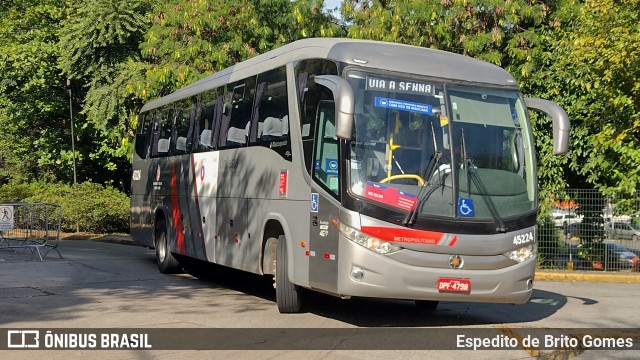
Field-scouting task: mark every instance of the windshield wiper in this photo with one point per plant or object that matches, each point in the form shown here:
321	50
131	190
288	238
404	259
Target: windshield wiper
431	168
472	175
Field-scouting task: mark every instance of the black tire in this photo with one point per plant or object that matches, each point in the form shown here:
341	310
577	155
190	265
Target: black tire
288	295
427	304
167	264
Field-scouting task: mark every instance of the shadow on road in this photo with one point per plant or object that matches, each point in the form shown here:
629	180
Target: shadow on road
110	281
368	312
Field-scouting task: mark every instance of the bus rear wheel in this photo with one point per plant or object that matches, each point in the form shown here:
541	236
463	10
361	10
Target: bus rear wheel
288	296
427	304
167	264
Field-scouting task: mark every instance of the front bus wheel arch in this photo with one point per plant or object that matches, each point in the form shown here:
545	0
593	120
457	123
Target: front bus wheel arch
167	263
288	294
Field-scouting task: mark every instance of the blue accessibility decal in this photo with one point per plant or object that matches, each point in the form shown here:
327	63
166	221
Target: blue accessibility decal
465	207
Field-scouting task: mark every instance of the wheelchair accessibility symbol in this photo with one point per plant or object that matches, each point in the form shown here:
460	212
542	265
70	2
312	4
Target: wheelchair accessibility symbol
465	207
315	198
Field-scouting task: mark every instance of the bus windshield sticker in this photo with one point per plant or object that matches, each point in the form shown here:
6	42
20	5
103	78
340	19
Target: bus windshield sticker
334	184
400	86
403	105
444	120
390	196
331	166
465	207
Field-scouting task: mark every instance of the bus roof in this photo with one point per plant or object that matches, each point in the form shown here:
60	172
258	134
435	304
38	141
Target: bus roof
366	53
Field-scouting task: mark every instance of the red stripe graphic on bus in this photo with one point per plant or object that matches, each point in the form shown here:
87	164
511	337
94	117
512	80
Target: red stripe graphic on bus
175	204
405	235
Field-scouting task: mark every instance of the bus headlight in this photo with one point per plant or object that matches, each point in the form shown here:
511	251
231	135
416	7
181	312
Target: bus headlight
524	253
369	242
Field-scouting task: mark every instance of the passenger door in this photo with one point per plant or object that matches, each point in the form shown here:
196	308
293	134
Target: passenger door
325	205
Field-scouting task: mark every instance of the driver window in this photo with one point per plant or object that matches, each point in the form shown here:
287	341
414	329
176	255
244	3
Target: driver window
326	165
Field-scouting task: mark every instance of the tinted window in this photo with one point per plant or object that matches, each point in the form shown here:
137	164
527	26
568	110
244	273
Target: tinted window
143	135
208	128
239	98
180	134
161	138
271	120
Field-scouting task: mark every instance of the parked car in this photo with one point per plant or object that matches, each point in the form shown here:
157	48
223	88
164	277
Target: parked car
625	230
601	256
588	229
561	220
614	256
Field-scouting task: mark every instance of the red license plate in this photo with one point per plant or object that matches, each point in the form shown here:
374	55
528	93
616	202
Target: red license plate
454	285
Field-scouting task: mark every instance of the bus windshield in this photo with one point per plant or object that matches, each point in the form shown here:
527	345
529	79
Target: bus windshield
465	152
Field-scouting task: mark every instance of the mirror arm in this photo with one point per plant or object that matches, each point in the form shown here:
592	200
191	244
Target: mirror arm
344	100
560	121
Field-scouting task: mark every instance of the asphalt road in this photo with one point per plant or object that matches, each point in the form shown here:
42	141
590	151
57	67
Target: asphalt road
101	285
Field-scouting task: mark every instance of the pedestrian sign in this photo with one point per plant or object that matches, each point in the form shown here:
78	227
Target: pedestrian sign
6	217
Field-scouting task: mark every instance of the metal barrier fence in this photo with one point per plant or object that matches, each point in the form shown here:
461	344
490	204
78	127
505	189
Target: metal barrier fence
588	231
32	226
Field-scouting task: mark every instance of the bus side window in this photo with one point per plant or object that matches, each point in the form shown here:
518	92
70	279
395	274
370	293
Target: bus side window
209	122
180	129
270	121
239	105
144	134
162	133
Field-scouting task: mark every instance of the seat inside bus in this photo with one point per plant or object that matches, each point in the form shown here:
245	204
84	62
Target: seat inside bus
163	145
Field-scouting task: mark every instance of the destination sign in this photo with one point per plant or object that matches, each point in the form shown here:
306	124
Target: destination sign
400	86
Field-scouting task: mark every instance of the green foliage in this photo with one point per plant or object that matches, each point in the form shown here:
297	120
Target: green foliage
550	244
190	40
90	207
33	103
16	191
499	32
591	67
100	40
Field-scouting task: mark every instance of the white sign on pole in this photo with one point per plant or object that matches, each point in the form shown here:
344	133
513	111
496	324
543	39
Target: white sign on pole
6	217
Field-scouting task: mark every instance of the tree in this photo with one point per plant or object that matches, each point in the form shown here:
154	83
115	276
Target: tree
591	67
190	40
99	44
500	32
34	115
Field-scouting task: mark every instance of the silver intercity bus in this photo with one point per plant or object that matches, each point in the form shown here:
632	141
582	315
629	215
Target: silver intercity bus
349	167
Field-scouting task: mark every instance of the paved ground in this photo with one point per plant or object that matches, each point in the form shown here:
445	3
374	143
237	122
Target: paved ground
102	285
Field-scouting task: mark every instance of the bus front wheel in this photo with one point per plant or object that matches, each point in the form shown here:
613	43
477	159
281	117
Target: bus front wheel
167	264
288	295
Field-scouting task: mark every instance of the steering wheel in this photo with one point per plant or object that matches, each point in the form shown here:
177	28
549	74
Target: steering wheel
403	176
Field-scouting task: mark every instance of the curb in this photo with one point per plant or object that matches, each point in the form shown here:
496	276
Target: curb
583	276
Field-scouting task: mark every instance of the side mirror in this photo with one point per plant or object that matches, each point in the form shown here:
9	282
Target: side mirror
344	100
560	121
